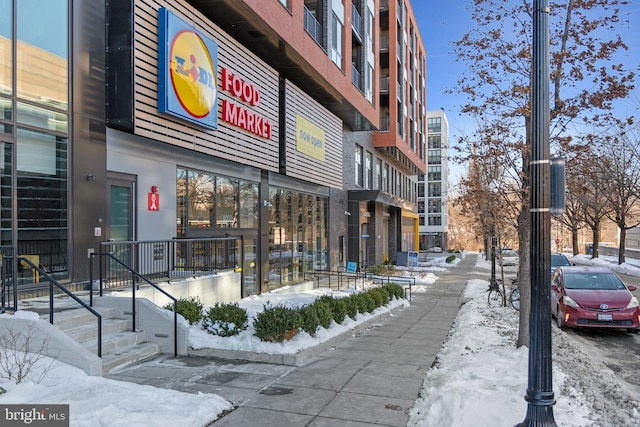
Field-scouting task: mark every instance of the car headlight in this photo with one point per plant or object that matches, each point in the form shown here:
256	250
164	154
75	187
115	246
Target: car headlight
570	302
633	303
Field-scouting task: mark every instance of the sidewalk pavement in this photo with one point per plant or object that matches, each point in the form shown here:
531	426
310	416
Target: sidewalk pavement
371	378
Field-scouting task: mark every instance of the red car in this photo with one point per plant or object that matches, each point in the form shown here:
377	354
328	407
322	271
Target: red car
587	296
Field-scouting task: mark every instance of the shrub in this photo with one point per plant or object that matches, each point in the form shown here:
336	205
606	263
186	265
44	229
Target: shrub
310	319
277	323
350	307
363	302
394	290
386	297
450	258
225	320
338	307
190	308
377	297
325	314
381	269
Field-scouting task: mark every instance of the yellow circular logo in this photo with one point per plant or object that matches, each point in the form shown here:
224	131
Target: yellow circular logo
193	74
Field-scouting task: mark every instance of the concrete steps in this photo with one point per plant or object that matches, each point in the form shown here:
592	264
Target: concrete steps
120	345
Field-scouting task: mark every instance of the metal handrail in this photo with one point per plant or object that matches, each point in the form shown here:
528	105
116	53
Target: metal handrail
134	285
317	275
393	279
53	282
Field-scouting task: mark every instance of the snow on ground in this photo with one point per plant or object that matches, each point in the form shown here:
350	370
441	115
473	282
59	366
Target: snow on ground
480	378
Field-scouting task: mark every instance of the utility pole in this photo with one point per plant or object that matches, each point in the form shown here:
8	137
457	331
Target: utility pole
539	395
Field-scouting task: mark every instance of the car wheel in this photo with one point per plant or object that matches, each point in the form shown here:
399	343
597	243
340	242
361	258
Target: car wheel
559	320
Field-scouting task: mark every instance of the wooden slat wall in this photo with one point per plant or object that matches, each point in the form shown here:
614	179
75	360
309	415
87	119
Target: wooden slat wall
227	141
303	166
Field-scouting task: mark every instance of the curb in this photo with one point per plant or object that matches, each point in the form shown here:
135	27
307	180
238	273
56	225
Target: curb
300	358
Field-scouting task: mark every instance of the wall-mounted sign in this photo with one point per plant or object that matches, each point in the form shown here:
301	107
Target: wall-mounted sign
309	138
187	71
238	114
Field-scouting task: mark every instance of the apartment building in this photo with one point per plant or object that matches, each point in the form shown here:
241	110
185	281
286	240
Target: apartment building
189	119
383	189
433	186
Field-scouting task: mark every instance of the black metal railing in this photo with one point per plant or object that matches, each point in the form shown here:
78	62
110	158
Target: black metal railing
53	285
134	285
339	279
168	259
406	282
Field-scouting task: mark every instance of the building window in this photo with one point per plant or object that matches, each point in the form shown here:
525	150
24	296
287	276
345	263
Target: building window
284	3
336	40
420	189
435	141
435	206
378	179
368	176
297	235
435	219
34	77
435	189
208	201
420	206
385	178
434	125
434	173
359	173
422	221
434	157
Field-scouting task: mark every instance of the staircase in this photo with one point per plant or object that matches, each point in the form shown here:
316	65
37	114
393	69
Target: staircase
120	345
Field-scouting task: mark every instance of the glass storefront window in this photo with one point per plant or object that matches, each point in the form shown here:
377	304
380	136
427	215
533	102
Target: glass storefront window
200	196
297	236
6	36
226	203
249	204
5	192
208	201
42	118
43	52
181	203
42	199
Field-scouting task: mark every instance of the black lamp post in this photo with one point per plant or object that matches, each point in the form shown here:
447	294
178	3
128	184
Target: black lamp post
539	396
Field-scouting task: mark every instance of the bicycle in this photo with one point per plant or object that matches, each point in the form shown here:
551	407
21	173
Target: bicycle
495	297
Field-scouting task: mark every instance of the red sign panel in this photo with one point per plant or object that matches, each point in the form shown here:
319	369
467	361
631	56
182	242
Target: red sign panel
153	202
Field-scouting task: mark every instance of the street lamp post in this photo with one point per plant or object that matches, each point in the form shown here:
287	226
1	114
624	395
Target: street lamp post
539	395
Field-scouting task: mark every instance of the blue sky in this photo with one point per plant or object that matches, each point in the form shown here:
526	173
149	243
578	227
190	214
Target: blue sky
440	23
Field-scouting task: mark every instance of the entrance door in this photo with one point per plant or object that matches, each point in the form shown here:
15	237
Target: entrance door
120	221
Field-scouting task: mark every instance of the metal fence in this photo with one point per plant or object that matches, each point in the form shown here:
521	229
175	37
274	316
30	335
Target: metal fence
166	259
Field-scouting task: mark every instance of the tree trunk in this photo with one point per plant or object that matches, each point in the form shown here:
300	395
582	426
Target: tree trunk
574	240
596	240
623	246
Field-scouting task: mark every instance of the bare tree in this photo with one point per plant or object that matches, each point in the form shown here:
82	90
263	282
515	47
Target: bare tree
619	167
585	80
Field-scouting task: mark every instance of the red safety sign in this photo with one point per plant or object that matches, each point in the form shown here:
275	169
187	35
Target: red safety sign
153	202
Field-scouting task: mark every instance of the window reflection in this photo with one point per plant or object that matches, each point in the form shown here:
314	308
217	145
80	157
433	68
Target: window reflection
208	201
42	199
6	62
297	236
42	51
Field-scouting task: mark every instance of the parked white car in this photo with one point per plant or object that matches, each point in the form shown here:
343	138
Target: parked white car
508	258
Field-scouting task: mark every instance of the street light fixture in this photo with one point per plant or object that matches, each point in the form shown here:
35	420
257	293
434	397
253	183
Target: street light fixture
539	395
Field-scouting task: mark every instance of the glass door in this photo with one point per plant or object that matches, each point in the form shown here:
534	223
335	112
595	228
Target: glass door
120	221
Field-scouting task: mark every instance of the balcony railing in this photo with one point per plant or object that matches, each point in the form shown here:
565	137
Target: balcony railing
384	84
356	77
312	26
356	21
384	42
